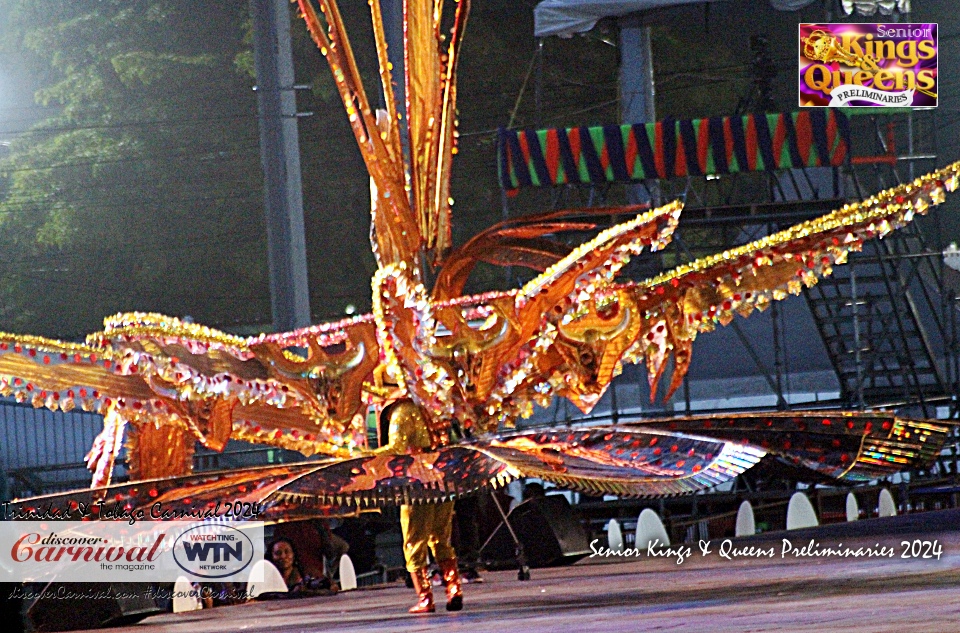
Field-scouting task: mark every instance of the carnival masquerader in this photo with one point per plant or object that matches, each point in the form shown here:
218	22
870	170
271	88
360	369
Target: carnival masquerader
426	526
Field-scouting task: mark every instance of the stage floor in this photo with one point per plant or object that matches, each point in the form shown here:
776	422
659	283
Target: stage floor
704	593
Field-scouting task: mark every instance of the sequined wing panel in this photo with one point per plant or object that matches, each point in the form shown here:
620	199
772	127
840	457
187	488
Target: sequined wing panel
62	376
845	446
246	494
623	462
695	297
384	479
520	241
263	389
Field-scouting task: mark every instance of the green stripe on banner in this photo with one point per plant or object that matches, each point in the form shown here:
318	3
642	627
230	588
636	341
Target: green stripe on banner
542	141
838	138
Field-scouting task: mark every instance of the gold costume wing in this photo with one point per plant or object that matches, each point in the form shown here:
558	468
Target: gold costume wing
596	460
678	304
301	390
652	458
476	359
163	384
846	446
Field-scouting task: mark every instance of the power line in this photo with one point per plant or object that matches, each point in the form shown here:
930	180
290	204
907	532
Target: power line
127	124
127	159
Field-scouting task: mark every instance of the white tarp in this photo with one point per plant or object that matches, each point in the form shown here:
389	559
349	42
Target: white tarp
568	17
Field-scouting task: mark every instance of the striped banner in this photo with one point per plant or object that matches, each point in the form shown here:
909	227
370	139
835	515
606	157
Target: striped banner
672	148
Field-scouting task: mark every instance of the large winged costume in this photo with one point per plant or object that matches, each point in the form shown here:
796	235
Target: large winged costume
472	365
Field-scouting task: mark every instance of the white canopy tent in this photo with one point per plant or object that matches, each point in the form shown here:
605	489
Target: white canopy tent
569	17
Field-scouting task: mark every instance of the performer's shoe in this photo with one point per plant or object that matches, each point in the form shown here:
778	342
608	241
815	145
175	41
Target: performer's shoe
451	577
421	583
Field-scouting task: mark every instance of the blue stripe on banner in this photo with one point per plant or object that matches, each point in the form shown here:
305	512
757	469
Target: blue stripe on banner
688	136
567	157
739	143
644	151
764	141
718	144
669	127
818	124
794	149
594	168
520	167
537	158
613	135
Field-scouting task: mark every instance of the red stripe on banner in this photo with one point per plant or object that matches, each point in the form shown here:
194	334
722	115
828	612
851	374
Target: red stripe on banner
779	138
551	154
753	152
804	136
728	144
839	154
573	135
680	167
630	152
604	156
703	144
658	151
525	149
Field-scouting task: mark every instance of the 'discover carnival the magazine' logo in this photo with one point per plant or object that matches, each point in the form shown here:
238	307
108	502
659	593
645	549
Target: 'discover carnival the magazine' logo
879	65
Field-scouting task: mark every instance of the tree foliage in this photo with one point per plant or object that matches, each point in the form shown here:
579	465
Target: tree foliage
143	191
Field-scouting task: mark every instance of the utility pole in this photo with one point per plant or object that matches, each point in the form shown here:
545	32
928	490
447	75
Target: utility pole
280	157
637	88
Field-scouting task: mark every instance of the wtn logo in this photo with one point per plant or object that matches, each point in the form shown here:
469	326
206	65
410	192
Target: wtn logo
221	551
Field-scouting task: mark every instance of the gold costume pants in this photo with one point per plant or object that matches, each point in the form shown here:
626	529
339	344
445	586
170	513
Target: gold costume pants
426	526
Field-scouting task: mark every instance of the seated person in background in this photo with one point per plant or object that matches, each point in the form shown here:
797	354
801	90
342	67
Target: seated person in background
318	549
283	555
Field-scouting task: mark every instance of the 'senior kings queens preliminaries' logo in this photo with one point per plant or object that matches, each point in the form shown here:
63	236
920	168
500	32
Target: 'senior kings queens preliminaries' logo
886	65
